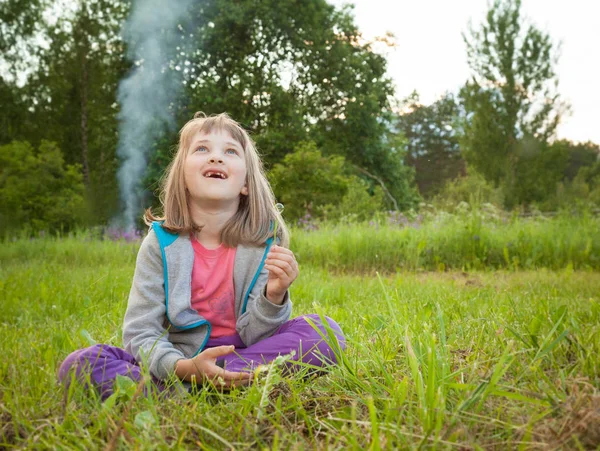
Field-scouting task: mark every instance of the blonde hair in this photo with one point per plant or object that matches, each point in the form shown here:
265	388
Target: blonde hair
253	223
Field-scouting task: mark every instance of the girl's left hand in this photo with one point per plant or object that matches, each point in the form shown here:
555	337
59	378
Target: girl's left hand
283	270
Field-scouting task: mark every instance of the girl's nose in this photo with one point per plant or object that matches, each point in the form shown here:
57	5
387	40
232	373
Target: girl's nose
215	160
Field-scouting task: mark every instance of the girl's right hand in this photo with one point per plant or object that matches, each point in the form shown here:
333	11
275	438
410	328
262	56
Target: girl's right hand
205	368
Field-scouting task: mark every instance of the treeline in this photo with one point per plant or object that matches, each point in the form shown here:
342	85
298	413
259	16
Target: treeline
315	95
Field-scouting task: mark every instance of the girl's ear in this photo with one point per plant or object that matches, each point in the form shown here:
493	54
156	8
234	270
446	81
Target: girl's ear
245	190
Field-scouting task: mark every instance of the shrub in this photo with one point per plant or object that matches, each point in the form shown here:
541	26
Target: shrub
314	187
306	180
37	190
357	204
473	189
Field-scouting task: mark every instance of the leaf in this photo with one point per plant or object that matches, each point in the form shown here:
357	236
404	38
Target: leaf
144	420
125	385
85	334
548	348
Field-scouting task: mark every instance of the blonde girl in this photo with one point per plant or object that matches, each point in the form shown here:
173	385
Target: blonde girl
210	294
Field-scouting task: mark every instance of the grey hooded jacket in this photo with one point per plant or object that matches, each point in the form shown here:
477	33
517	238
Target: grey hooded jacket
160	325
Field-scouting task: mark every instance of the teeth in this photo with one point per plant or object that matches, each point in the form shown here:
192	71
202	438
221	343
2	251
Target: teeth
218	174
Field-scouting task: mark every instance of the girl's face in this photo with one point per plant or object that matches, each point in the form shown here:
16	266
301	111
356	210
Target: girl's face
215	168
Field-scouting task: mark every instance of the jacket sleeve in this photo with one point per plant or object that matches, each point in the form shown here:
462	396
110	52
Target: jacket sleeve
144	333
262	317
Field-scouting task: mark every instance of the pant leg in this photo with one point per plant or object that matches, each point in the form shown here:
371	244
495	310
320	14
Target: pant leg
296	335
102	363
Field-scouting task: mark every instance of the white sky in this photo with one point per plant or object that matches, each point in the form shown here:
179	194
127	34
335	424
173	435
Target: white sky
431	56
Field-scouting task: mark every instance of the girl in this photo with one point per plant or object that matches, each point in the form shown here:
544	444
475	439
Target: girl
210	296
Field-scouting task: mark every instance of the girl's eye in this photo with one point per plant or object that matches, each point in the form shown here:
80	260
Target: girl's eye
231	151
201	149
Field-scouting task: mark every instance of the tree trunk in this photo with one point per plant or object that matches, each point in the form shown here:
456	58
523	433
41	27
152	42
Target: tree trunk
84	121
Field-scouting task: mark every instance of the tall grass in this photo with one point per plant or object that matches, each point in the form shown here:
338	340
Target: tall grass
462	242
487	359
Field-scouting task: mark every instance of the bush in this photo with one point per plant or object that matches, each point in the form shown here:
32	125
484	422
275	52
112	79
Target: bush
582	191
312	186
472	189
357	204
37	191
306	180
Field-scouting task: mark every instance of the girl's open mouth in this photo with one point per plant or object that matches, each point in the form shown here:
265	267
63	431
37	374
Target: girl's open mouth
215	175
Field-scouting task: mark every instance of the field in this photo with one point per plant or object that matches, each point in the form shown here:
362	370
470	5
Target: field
446	355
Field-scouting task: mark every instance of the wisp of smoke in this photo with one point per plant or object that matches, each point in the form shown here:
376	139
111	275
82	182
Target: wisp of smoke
146	93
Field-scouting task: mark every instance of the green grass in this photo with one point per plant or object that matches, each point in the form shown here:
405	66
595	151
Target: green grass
470	241
492	359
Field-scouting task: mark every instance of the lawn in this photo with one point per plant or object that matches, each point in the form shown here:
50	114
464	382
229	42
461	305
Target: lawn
438	359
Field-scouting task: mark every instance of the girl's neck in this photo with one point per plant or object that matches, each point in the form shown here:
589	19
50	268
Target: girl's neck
212	220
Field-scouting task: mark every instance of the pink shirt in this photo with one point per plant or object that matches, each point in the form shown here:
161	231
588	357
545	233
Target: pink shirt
212	287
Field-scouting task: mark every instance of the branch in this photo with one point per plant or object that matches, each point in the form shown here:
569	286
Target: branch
377	179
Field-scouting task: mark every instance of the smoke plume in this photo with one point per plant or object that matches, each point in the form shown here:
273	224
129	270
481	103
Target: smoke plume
145	95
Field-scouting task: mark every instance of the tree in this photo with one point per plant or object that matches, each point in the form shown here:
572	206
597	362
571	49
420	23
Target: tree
20	27
512	95
432	141
539	168
291	71
72	95
306	180
37	190
580	155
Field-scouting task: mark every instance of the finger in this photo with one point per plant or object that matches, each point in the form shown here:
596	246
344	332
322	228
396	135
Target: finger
277	272
278	250
283	264
287	256
228	385
288	269
234	375
214	372
241	383
217	351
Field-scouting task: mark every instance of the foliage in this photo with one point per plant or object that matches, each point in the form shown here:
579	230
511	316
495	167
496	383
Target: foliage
580	155
295	71
291	77
20	24
358	203
511	96
472	189
544	173
432	138
285	76
306	180
539	168
38	192
583	190
70	94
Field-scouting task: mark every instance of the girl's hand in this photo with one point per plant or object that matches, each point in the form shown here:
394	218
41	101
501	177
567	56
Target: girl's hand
205	368
283	270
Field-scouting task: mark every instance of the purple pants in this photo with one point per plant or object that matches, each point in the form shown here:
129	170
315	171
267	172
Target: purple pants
103	362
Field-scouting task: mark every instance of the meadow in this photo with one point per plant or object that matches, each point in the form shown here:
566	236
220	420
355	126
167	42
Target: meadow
454	342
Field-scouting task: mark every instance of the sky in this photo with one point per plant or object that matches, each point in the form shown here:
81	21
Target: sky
430	56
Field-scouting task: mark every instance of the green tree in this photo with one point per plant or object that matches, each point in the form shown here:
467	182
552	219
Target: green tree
590	175
432	144
21	25
72	95
291	71
580	155
360	202
37	190
306	181
512	96
539	168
